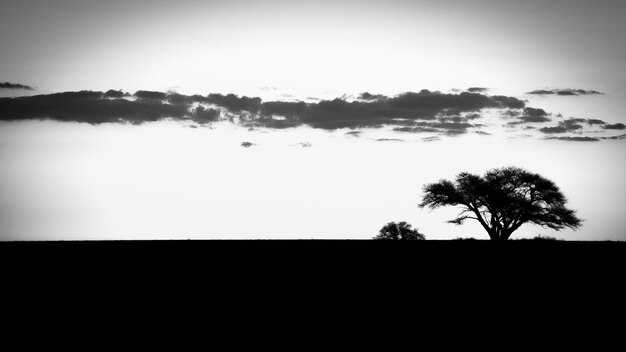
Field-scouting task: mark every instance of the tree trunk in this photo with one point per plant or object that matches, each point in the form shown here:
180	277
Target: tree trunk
499	235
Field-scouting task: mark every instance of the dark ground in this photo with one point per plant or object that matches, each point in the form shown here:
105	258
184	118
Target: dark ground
317	255
536	286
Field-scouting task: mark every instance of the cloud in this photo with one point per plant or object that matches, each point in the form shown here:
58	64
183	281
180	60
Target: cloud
454	132
398	110
87	106
147	94
615	126
577	92
410	112
379	110
595	122
531	119
509	102
532	112
180	99
9	85
555	129
389	140
368	96
457	126
111	106
448	128
589	122
234	103
564	126
268	122
418	129
576	124
283	108
621	136
575	139
601	123
541	92
477	89
375	110
426	99
568	91
529	115
203	115
511	113
115	94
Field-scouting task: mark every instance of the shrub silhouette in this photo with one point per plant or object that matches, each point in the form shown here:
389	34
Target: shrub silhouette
503	200
544	238
399	231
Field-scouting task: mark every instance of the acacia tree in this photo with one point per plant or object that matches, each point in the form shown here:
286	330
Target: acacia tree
503	200
399	231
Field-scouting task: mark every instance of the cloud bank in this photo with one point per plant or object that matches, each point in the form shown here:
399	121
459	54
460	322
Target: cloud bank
410	112
144	106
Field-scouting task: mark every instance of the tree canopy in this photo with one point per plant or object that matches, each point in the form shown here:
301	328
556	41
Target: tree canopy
399	231
503	200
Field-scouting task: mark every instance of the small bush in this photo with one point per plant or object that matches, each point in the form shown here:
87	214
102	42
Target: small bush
541	238
546	238
399	231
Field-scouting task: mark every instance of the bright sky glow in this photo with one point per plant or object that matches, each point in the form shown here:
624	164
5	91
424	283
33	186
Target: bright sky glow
67	180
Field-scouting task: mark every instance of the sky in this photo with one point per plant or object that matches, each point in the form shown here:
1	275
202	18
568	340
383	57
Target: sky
301	119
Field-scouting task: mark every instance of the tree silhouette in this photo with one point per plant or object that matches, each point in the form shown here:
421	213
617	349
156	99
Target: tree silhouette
502	200
399	231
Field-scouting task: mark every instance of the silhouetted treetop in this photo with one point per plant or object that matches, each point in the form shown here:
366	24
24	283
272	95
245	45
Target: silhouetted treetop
399	231
502	200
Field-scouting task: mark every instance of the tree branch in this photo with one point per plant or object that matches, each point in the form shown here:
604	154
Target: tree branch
474	209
